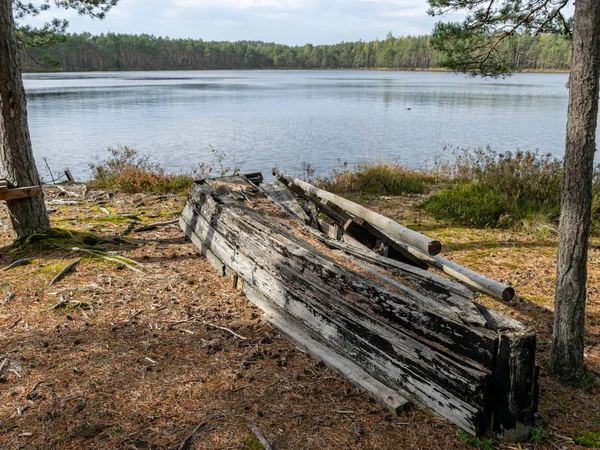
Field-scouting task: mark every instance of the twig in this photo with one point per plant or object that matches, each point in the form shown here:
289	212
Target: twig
133	316
174	324
64	272
34	388
127	229
188	440
121	260
15	323
225	329
3	364
247	198
62	302
260	436
49	170
152	226
20	262
105	211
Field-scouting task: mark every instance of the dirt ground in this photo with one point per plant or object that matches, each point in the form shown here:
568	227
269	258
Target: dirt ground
115	358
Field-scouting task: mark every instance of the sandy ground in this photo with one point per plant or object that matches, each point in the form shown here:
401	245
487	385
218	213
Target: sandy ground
140	360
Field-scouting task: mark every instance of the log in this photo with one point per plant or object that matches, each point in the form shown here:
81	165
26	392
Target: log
418	240
408	333
406	252
472	279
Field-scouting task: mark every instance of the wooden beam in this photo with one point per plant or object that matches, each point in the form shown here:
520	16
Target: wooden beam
418	240
20	193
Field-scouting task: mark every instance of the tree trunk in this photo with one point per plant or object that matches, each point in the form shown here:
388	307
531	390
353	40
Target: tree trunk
28	216
567	342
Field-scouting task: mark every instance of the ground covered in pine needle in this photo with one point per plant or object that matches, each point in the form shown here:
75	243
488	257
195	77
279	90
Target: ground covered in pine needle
150	349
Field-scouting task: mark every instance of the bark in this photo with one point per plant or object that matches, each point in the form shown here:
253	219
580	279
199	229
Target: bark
567	342
29	215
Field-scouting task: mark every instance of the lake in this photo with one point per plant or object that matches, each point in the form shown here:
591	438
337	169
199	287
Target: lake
289	119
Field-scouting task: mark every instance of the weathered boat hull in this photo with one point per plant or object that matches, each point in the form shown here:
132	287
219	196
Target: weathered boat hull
393	341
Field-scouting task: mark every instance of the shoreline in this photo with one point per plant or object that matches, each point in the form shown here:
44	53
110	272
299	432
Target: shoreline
375	69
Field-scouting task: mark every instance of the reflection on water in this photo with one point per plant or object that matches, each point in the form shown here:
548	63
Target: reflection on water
287	118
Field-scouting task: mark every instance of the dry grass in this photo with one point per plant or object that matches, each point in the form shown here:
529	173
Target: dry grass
110	373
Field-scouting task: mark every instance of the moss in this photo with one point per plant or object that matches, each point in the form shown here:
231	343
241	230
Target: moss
113	219
252	443
56	238
586	438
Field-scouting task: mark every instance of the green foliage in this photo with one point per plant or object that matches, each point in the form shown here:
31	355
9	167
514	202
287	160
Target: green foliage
586	438
82	52
129	172
377	179
485	42
499	190
218	165
477	442
537	434
52	32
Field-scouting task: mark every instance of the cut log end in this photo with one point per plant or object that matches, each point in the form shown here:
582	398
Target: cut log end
508	294
434	248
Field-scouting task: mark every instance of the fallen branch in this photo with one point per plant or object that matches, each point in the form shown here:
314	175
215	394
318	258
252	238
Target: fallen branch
64	272
64	191
153	226
130	264
260	436
20	262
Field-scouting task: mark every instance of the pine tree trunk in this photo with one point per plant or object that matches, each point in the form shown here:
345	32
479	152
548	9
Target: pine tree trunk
28	216
567	342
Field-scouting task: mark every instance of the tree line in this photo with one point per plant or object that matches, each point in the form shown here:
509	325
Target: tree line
84	52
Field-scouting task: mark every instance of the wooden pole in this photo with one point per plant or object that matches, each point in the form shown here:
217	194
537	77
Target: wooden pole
417	240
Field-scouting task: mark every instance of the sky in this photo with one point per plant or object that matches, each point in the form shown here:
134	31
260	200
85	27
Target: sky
292	22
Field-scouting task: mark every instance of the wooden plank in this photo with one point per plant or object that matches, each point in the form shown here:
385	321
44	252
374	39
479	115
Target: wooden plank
306	341
20	193
280	195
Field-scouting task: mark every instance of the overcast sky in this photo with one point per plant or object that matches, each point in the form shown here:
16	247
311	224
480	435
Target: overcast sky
294	22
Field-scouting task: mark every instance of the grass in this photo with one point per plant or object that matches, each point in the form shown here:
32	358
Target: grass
129	172
589	439
480	188
378	179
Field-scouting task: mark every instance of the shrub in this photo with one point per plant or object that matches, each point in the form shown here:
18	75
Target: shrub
130	172
377	179
499	189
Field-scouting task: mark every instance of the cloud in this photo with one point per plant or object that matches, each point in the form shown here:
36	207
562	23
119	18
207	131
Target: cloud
244	4
294	22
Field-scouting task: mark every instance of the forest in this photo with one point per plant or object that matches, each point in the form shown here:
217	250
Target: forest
86	52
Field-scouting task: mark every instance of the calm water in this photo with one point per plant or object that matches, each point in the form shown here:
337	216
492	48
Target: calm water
288	118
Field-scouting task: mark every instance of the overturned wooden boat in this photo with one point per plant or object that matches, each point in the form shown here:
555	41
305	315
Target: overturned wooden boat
402	334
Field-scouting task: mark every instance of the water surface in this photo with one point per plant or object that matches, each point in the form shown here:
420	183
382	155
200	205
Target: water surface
289	118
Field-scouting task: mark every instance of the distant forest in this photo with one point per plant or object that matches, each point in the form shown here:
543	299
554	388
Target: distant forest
84	52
